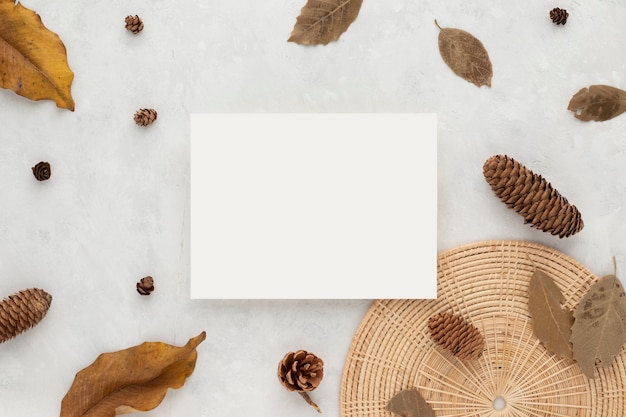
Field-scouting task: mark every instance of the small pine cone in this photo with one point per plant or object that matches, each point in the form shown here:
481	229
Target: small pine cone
301	371
559	16
457	335
532	197
21	311
145	117
134	24
41	171
145	285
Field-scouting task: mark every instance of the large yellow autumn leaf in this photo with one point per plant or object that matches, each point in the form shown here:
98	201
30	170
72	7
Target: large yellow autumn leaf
33	60
130	380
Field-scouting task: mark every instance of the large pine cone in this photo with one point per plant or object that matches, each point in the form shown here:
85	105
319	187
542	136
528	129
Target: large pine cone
457	335
21	311
532	197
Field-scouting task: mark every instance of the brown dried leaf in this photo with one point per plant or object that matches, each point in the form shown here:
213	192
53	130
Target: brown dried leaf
465	55
130	380
410	403
598	103
552	323
33	60
322	21
599	329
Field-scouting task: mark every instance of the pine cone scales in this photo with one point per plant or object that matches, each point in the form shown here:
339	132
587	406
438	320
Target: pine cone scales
145	117
455	334
559	16
21	311
532	197
301	371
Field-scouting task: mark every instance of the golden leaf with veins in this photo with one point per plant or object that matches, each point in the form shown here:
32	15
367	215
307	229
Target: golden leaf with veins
599	329
552	323
33	60
322	21
130	380
598	103
465	55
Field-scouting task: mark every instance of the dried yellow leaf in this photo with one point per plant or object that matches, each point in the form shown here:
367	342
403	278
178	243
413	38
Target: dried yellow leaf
130	380
33	61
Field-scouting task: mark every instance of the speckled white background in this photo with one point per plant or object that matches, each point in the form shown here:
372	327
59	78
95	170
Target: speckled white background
116	208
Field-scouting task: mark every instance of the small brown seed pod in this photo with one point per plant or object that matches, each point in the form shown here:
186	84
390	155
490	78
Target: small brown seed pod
457	335
42	171
559	16
134	24
301	371
145	117
145	285
21	311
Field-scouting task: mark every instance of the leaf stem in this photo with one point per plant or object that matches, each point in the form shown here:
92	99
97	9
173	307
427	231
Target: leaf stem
440	28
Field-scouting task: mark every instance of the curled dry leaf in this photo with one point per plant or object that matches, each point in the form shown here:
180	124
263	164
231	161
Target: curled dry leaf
599	329
130	380
33	60
465	55
552	323
409	403
323	21
598	103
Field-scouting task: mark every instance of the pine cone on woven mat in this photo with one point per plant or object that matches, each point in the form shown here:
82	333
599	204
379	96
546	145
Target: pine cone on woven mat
559	16
532	197
456	335
21	311
301	371
145	117
134	24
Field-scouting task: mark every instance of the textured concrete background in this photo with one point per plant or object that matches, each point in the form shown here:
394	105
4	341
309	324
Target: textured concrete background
117	206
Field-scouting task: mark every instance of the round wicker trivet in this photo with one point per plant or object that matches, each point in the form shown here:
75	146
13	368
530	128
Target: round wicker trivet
487	283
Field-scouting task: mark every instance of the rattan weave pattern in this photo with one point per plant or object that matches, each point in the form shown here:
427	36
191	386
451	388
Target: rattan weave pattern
487	283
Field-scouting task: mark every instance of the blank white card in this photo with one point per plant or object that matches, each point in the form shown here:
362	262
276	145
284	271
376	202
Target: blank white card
302	206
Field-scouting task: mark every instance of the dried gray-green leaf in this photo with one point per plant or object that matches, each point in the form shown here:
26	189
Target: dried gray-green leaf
409	403
599	329
465	55
552	323
323	21
598	103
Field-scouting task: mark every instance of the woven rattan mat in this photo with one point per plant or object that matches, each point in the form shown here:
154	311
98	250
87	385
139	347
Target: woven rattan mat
487	283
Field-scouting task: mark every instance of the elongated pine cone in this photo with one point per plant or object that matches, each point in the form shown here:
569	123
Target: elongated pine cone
145	285
21	311
42	171
134	24
532	197
301	371
145	117
457	335
559	16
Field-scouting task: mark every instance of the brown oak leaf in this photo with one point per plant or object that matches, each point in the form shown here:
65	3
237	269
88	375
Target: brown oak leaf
409	403
322	21
465	55
130	380
598	103
552	323
599	329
